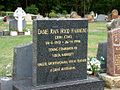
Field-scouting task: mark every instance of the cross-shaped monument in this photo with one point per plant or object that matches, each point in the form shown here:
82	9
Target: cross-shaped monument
19	15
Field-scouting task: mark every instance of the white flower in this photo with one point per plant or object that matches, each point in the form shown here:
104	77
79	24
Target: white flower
88	65
102	58
93	65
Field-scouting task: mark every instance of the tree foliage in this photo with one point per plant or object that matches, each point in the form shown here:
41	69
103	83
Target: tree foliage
32	9
80	6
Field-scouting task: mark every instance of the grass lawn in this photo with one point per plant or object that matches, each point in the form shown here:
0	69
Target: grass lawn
97	33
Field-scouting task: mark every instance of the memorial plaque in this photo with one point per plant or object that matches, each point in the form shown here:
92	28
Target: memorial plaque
59	50
113	57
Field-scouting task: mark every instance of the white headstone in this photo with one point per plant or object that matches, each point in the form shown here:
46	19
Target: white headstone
19	15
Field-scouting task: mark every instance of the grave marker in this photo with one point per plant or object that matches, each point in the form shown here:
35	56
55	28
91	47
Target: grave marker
19	15
113	53
60	50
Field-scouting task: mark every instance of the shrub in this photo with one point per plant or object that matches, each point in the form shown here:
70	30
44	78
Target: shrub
32	9
52	14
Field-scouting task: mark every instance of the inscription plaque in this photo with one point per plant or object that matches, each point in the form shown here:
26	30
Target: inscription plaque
59	50
113	57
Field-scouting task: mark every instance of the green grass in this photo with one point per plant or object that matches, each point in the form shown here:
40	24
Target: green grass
97	33
6	48
3	26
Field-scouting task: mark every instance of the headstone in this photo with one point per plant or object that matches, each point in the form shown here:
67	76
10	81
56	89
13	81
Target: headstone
101	17
19	15
102	52
74	15
60	50
13	25
113	24
1	33
22	65
59	58
39	16
28	17
114	14
6	33
113	53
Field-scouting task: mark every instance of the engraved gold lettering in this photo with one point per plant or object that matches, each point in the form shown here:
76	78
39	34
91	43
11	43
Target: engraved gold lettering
64	31
42	64
62	49
67	68
67	36
63	54
58	37
44	31
54	31
82	30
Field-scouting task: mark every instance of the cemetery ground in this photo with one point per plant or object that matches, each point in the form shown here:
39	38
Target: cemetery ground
97	33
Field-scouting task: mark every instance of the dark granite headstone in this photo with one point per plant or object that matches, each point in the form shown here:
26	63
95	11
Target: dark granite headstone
6	33
1	33
13	25
59	50
22	65
113	52
102	52
51	52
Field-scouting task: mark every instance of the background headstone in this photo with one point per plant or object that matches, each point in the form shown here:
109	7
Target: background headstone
19	15
113	52
22	65
28	17
1	33
101	17
114	13
6	33
13	25
113	24
102	52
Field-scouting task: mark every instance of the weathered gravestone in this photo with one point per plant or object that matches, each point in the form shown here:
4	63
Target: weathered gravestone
1	33
59	57
22	65
101	17
13	25
113	53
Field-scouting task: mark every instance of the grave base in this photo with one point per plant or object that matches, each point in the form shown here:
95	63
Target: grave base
20	33
111	81
6	83
91	83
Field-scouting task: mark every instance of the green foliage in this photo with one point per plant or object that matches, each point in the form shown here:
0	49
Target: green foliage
1	7
45	6
52	14
64	12
32	9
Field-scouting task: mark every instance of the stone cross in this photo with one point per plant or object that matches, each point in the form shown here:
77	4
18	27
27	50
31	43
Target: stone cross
19	15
